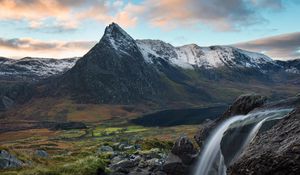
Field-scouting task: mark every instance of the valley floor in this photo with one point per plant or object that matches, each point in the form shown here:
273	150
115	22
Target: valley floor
88	151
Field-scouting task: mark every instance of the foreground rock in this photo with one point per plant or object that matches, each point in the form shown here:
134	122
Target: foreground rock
241	106
139	163
181	158
276	151
9	161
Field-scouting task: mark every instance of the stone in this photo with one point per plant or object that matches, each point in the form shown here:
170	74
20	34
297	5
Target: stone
124	166
185	150
174	166
41	153
9	161
153	162
103	149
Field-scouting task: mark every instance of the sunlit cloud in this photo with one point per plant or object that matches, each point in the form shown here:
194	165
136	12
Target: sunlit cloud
225	15
284	46
64	15
21	47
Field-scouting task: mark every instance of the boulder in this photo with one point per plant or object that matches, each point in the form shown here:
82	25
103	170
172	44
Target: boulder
185	150
124	166
181	158
9	161
174	166
41	153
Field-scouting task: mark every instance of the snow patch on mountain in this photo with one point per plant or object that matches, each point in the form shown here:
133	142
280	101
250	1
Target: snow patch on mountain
191	56
35	67
292	70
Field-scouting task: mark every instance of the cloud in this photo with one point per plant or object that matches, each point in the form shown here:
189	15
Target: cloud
63	15
221	15
66	15
21	47
286	46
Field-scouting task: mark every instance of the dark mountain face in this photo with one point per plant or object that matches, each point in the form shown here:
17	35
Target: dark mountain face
113	71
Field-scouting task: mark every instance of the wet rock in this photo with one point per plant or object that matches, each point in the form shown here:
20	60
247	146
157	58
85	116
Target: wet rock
9	161
244	104
276	151
241	106
41	153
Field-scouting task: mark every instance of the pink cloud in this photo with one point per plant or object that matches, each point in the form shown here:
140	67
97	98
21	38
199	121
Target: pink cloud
21	47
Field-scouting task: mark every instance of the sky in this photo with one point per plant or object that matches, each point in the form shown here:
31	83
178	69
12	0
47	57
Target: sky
69	28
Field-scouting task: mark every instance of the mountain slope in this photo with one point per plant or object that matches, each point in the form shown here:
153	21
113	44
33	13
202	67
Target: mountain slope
33	69
113	71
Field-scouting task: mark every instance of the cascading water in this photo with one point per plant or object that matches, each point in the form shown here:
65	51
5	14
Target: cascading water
211	161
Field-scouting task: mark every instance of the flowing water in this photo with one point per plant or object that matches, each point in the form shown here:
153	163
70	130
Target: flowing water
212	161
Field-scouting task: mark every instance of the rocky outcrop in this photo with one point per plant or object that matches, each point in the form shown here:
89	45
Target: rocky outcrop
182	156
141	162
5	103
276	151
9	161
241	106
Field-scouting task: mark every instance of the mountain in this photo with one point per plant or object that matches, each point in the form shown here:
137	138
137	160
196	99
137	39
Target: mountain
121	70
33	69
113	71
219	62
193	56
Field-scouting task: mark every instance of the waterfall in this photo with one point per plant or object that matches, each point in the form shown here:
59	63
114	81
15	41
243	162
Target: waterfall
211	160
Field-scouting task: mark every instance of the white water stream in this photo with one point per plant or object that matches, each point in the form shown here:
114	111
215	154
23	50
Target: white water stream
211	160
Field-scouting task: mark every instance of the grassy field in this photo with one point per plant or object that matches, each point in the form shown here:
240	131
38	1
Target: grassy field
75	151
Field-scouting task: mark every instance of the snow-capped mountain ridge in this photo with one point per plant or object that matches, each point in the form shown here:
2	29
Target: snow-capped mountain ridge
35	68
192	55
117	43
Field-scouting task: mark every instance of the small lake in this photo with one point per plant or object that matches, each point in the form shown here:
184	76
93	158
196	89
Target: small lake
173	117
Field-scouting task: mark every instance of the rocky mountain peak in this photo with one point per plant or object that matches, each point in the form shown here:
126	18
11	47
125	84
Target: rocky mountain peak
118	39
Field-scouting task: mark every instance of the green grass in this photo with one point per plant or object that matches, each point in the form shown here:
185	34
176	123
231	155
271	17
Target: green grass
72	134
87	166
